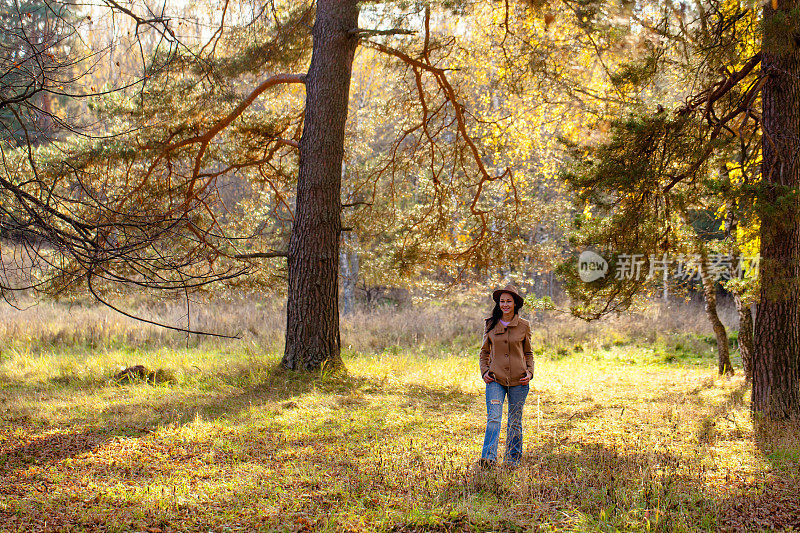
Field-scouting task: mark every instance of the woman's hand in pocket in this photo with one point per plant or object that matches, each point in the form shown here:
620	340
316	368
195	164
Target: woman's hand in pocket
487	377
526	378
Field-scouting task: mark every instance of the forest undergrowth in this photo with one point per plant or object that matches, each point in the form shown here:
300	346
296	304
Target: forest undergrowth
627	427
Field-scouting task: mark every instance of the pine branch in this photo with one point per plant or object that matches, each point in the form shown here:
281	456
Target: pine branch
241	108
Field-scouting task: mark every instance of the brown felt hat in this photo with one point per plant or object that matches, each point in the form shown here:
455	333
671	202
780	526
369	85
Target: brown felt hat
510	289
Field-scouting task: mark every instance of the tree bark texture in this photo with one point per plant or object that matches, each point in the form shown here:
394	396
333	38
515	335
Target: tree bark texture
710	294
312	316
776	347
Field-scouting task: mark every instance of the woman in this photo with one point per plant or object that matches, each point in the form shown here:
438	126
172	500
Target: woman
506	364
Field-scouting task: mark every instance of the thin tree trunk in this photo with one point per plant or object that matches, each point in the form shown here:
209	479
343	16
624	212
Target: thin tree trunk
724	365
745	336
345	273
352	257
312	316
776	347
44	132
348	261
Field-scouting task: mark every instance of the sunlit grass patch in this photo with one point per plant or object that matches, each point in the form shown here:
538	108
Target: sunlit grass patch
616	438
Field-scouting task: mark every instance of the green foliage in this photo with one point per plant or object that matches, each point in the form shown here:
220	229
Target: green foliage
780	29
636	73
545	303
665	179
175	214
263	47
36	40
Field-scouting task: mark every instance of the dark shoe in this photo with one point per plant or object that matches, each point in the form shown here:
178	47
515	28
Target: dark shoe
486	464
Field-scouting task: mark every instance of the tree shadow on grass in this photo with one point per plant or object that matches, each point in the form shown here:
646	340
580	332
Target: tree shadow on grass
778	441
136	414
735	396
562	481
599	484
98	442
128	413
773	501
585	479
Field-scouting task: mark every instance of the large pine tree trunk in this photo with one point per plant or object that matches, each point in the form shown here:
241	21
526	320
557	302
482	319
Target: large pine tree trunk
776	347
312	316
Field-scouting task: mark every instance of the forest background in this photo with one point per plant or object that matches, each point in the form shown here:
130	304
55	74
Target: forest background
387	164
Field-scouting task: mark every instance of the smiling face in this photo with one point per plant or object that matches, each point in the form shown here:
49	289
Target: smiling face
507	306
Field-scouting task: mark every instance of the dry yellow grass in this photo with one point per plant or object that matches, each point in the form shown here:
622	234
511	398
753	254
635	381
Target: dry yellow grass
626	429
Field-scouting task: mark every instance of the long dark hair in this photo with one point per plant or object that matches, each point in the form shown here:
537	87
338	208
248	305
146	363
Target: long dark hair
497	314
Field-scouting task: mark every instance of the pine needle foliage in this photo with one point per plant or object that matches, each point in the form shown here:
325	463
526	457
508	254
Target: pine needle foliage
686	148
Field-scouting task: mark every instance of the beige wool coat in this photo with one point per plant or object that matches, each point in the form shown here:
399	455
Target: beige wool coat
507	353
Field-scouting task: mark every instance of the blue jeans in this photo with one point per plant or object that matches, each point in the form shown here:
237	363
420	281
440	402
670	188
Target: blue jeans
495	396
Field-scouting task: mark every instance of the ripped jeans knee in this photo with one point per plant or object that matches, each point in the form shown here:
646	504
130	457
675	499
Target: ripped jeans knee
496	396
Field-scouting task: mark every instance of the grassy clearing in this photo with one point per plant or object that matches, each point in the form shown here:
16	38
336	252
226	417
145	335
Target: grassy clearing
627	429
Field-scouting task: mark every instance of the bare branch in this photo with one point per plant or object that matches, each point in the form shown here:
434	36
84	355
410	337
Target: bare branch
153	322
444	83
354	204
720	89
288	142
261	255
361	32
